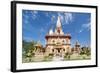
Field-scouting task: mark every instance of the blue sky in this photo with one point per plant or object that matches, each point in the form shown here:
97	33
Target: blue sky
36	24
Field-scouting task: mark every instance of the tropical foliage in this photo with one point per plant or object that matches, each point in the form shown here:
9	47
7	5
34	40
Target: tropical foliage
86	51
28	49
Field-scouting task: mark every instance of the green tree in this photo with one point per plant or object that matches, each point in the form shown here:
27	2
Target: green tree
28	48
85	51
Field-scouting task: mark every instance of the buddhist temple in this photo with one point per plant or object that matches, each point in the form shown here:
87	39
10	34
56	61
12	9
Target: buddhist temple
57	42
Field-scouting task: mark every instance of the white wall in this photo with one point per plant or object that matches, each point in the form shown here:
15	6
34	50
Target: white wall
5	37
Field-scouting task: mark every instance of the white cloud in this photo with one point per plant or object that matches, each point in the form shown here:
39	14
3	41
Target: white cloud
61	16
25	16
86	26
66	17
34	14
42	30
80	30
26	21
26	11
53	18
47	14
28	39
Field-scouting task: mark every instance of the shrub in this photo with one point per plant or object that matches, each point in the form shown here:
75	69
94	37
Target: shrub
51	54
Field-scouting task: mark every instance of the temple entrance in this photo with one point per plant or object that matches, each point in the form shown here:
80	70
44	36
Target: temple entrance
58	52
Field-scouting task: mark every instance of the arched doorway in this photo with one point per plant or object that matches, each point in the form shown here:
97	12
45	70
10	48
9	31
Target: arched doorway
58	51
58	54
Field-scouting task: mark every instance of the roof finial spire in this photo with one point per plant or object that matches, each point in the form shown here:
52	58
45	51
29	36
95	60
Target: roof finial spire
58	22
50	32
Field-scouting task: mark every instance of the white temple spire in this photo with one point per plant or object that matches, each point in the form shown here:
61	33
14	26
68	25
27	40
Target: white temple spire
50	31
58	22
58	29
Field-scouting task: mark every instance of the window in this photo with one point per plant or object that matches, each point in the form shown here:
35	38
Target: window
63	49
63	41
53	41
58	50
52	50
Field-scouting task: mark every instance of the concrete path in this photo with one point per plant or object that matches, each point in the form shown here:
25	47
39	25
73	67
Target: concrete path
58	58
